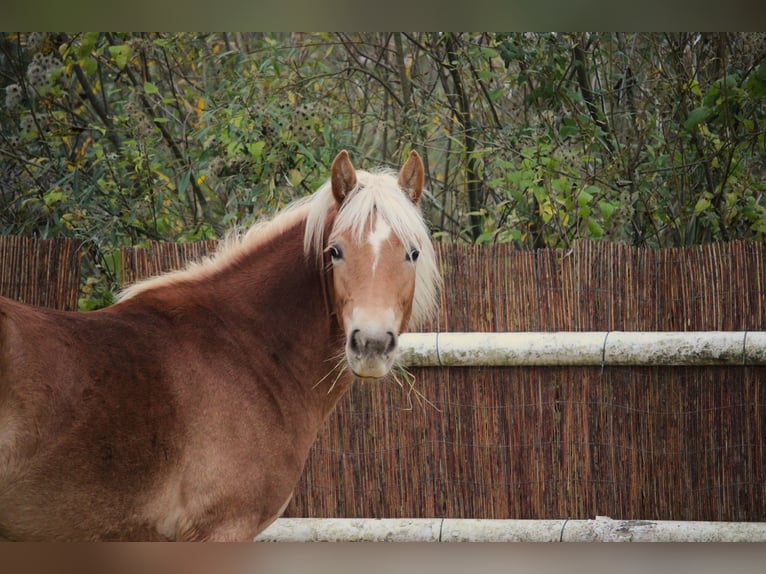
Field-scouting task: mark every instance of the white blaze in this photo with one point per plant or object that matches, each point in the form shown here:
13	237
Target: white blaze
380	234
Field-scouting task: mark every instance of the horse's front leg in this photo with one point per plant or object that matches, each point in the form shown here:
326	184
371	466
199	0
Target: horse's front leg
243	528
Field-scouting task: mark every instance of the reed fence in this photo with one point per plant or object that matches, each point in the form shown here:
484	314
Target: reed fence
43	272
660	443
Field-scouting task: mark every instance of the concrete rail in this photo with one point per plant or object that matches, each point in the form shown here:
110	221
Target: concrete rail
594	348
600	529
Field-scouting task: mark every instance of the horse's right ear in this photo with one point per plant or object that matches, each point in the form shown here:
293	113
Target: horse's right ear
412	177
342	177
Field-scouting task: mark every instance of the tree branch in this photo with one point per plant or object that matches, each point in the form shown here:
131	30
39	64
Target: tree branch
473	181
583	81
97	106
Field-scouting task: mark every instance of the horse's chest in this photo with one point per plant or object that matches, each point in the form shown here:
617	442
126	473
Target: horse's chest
228	489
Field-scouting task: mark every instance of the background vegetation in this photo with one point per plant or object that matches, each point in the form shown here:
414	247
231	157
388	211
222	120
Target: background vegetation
539	139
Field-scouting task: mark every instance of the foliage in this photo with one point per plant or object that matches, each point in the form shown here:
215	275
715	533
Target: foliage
539	139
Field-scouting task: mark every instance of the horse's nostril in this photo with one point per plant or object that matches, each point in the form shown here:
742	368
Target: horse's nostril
361	344
391	344
354	341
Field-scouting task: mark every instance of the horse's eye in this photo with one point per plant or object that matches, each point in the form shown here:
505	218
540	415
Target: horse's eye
413	255
335	252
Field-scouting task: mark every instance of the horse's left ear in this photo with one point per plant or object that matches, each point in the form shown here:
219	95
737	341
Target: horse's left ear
342	176
412	177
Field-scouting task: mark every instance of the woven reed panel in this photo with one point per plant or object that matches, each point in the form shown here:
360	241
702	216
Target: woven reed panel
160	257
631	443
43	272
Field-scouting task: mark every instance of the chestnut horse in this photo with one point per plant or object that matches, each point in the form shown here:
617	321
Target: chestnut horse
186	410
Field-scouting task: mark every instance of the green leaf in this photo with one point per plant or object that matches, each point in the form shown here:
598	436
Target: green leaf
756	83
90	64
694	88
256	149
584	197
495	95
184	183
761	72
485	237
568	130
594	228
113	260
88	43
696	117
150	88
120	54
516	194
607	209
53	197
701	205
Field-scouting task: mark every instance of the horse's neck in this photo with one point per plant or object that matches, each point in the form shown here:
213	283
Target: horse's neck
280	298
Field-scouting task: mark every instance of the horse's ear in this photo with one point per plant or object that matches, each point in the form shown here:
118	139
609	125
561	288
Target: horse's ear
342	176
412	177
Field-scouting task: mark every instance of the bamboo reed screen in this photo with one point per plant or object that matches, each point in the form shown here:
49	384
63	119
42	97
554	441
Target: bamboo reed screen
40	272
159	258
631	443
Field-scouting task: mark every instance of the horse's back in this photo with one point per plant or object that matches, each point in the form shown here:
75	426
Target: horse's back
86	420
117	424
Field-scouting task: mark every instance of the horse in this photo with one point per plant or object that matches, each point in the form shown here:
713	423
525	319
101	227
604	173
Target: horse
186	410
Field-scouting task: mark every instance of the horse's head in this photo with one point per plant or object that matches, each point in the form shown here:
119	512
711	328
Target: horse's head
376	245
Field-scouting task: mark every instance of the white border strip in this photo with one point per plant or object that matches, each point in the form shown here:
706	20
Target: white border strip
592	348
600	529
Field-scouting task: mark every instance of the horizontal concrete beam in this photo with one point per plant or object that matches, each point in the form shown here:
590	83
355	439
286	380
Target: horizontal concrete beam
600	529
592	348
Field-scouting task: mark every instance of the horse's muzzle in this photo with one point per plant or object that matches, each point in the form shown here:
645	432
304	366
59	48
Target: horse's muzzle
371	354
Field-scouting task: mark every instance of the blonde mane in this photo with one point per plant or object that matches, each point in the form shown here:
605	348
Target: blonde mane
230	249
382	196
